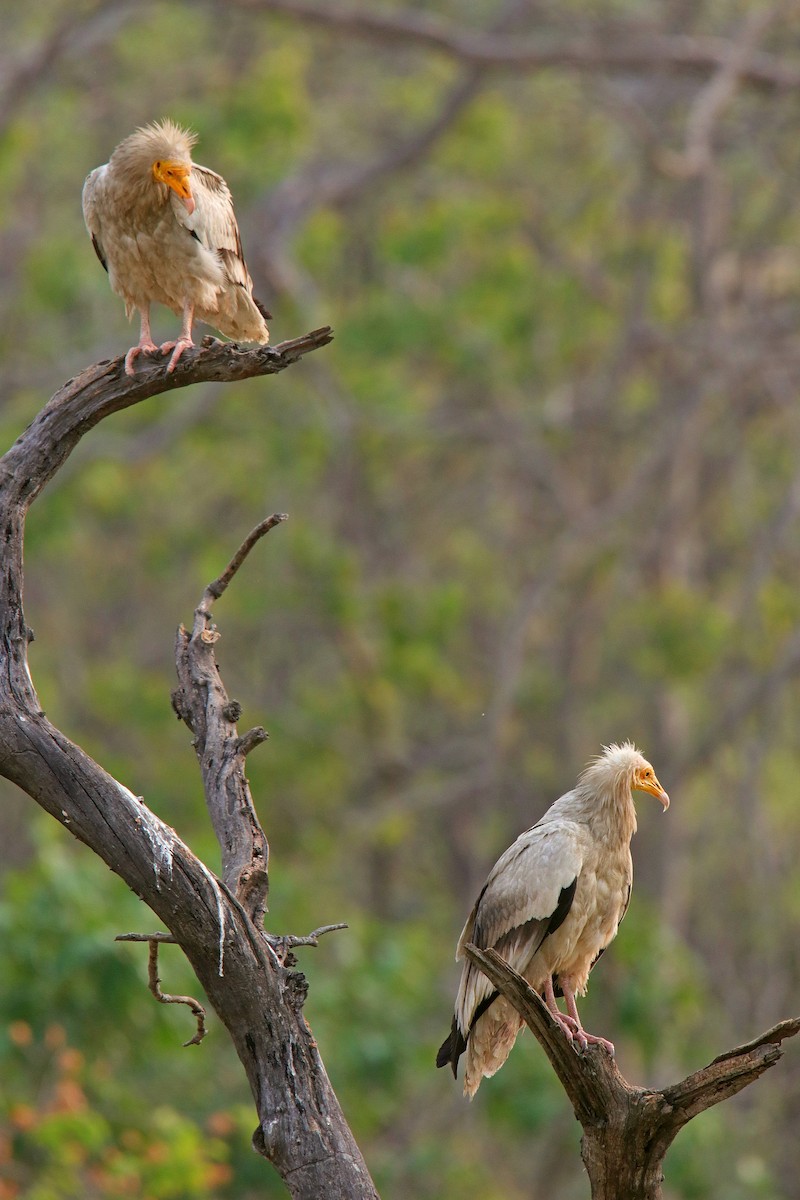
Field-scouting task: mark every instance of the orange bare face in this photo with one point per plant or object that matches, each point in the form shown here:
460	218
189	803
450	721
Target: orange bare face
645	781
176	176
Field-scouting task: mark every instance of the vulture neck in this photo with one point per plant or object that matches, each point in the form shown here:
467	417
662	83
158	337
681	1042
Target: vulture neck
608	803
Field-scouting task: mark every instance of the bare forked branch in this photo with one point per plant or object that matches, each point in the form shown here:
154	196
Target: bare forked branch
202	703
627	1130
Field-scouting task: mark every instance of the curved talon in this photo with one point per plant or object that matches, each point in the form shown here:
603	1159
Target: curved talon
177	348
570	1028
571	1023
594	1040
146	347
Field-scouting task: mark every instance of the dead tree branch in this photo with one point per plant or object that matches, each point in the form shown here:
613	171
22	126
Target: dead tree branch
301	1129
628	1130
202	703
104	389
215	589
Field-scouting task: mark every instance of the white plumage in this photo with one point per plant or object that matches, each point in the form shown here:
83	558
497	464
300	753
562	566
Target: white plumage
165	230
552	903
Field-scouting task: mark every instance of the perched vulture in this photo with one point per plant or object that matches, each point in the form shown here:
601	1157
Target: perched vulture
551	905
164	229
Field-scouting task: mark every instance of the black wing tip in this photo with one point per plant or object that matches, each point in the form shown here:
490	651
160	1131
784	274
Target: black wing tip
99	253
451	1049
265	314
455	1043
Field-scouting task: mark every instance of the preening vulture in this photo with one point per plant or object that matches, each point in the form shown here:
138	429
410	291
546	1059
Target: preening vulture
551	905
164	229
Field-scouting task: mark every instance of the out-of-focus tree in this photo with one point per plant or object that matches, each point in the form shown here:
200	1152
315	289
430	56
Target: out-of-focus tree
544	494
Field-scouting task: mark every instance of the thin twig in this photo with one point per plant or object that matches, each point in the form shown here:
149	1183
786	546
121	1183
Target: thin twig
280	945
215	589
154	983
165	938
313	938
165	998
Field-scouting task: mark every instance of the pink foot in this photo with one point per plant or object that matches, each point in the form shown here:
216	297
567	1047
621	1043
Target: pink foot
177	348
593	1040
146	347
571	1028
575	1032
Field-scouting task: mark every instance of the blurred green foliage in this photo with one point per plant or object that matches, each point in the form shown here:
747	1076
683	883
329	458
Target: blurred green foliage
543	494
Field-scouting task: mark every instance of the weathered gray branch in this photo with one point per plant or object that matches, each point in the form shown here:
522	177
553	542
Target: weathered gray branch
301	1127
627	1130
202	703
104	389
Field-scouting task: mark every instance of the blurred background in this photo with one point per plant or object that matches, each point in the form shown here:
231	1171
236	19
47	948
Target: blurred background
544	493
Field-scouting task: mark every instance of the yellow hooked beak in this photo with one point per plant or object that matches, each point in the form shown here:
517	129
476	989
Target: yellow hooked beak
645	781
176	176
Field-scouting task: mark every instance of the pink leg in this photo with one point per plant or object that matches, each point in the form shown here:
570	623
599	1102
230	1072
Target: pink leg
184	341
581	1036
146	345
568	1024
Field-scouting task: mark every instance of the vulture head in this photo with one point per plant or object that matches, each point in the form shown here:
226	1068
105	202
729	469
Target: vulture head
160	156
618	771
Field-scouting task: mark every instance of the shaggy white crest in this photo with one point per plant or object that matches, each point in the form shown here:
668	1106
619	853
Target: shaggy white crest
617	762
161	140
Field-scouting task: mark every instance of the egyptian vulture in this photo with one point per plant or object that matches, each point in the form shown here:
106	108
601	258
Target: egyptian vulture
164	229
552	903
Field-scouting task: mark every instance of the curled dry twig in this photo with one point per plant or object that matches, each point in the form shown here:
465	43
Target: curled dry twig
154	983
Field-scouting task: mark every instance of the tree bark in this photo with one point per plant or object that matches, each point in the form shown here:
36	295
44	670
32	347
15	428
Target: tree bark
245	973
627	1130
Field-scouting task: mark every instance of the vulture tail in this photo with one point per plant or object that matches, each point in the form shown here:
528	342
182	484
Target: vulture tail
455	1043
